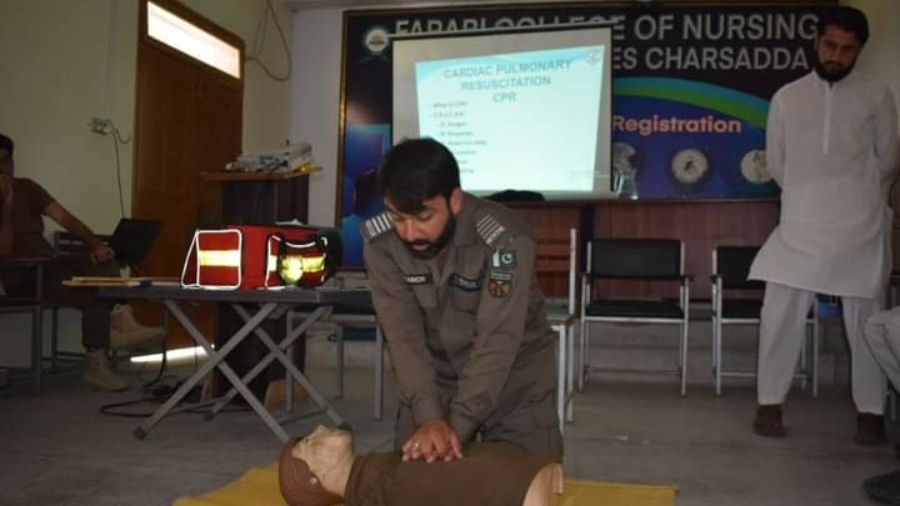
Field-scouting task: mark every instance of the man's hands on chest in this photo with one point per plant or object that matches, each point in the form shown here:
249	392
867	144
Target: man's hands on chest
433	440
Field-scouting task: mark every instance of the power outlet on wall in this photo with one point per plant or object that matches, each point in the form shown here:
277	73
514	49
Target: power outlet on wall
99	125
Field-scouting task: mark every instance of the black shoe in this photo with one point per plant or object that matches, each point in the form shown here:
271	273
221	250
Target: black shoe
768	421
870	430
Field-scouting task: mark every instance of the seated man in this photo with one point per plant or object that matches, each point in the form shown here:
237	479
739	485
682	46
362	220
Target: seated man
23	203
322	469
882	335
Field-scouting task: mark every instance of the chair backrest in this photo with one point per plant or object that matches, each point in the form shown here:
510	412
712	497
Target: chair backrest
636	258
733	264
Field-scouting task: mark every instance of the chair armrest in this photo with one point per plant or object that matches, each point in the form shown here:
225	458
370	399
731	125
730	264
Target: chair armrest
23	261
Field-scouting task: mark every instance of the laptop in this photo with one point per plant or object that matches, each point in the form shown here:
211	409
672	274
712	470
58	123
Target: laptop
133	239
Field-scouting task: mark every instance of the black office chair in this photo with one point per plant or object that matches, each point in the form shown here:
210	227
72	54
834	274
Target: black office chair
730	267
656	260
30	300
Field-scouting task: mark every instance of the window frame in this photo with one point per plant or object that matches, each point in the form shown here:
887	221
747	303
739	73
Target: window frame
200	22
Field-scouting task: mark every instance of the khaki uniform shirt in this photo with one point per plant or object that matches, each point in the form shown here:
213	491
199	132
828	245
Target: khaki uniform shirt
466	331
28	224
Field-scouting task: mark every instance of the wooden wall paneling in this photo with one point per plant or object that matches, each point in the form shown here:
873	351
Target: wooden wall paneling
701	224
552	222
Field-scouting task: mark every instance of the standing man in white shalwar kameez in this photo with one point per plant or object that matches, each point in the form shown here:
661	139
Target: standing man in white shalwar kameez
831	144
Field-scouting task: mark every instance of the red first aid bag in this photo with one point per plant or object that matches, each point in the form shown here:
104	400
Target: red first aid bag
250	256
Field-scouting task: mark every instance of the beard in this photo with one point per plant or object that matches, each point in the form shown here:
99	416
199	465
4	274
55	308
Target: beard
436	246
831	75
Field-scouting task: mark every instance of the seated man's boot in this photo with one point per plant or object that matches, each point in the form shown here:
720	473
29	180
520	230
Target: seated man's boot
884	488
768	421
99	376
870	430
126	333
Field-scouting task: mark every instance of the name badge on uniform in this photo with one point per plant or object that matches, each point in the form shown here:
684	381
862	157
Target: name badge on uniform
417	279
465	284
500	283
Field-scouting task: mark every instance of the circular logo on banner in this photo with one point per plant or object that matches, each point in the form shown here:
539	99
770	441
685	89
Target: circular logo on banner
376	40
689	166
753	167
626	158
689	171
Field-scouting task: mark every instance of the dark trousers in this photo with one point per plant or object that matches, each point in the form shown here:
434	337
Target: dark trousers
94	310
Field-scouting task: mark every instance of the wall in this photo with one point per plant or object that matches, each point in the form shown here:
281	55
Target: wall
880	55
315	92
266	101
65	62
316	87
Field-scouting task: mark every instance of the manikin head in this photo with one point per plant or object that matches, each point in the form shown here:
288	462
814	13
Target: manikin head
419	182
313	471
324	447
842	33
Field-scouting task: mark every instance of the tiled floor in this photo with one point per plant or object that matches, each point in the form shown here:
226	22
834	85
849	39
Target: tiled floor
56	449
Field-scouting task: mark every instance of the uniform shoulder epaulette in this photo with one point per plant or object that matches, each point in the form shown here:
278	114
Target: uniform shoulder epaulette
490	229
376	225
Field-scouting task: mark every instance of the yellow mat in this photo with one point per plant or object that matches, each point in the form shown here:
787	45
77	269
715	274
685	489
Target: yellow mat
259	487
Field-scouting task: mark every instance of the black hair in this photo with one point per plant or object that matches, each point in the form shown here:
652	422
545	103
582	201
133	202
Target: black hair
7	144
846	18
417	170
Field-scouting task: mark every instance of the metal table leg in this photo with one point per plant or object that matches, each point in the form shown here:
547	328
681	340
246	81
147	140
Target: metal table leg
277	352
216	360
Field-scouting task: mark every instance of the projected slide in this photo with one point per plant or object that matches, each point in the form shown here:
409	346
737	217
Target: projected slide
530	115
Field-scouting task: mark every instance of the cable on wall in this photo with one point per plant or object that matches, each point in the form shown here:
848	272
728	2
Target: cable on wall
259	39
118	139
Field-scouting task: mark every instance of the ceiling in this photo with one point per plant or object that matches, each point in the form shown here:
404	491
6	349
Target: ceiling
297	5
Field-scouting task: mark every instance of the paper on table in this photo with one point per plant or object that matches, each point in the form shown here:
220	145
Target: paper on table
112	281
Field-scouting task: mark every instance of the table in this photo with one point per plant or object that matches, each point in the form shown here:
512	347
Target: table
268	302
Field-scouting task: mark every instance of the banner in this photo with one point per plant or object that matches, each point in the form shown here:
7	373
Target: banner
691	91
